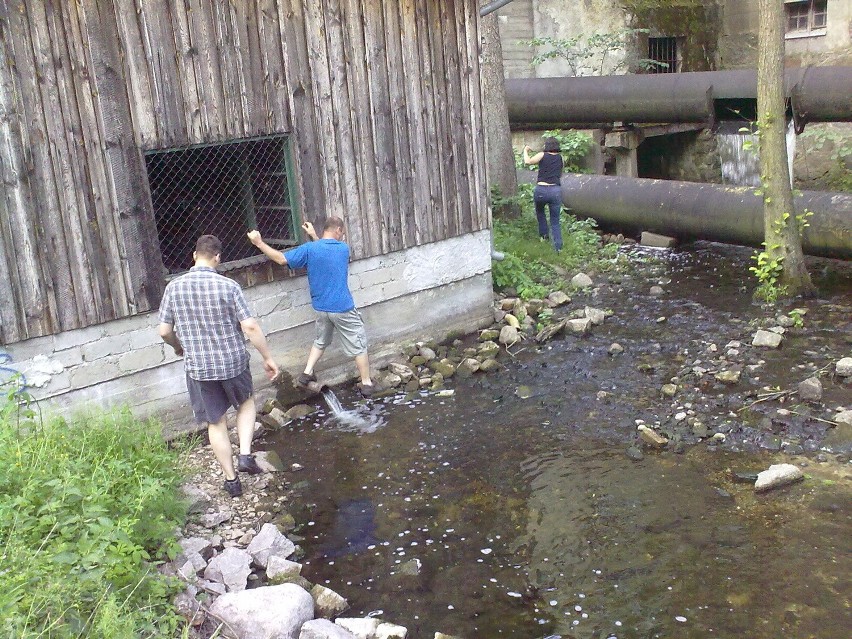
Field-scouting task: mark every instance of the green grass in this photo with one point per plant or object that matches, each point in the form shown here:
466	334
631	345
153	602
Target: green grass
532	267
88	506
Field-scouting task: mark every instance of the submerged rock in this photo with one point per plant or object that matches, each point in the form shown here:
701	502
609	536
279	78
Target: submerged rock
810	390
776	476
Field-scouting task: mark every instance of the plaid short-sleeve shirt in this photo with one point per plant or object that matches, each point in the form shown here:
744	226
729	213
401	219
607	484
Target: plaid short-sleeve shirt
206	309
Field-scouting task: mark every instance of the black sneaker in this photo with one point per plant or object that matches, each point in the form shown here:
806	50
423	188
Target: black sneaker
248	464
367	390
233	487
305	378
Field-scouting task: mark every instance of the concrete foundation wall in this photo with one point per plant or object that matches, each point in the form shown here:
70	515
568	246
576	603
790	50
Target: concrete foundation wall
423	292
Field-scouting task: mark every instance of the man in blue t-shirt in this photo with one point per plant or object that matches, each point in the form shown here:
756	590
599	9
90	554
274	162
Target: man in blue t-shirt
327	262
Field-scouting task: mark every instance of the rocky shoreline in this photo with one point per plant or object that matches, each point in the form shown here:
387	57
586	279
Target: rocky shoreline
232	546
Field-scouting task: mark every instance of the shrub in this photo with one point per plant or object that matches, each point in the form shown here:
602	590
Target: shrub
531	266
87	507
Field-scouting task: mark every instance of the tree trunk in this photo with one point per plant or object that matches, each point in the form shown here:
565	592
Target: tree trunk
500	158
781	228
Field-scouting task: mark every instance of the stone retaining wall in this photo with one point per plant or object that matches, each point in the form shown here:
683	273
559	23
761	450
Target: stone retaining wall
422	292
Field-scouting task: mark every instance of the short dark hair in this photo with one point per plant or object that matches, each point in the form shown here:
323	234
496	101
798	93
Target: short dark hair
332	223
208	246
551	145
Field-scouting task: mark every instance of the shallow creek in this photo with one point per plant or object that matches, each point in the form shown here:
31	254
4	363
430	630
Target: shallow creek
510	509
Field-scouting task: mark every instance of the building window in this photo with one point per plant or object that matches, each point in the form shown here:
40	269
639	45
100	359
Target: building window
223	190
806	18
663	55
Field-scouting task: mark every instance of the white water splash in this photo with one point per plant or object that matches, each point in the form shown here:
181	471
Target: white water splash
357	419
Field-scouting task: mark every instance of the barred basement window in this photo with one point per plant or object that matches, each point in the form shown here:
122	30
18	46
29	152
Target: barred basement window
806	17
223	190
663	51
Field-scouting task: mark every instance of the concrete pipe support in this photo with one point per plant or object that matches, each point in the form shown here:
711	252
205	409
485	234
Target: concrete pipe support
689	210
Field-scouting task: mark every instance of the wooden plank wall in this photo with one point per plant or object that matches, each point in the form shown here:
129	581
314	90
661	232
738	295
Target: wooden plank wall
381	98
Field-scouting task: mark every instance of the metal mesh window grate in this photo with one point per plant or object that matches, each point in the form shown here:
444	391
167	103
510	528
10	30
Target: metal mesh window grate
223	190
663	51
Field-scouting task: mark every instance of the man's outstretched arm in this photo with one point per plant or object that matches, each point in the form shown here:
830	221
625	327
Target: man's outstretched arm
273	254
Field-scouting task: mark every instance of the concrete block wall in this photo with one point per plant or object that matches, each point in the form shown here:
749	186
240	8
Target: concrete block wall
423	292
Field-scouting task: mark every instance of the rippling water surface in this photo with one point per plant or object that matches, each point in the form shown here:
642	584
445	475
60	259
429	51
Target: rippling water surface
494	513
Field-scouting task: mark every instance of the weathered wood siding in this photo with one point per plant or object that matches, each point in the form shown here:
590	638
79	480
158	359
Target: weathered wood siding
381	98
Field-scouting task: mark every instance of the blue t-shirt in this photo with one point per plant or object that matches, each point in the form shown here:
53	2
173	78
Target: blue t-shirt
327	262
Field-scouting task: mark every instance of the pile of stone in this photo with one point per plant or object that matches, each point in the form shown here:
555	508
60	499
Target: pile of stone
287	606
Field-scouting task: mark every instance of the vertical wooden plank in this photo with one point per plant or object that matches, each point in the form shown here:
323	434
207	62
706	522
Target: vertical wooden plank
383	142
206	62
161	55
138	81
126	175
422	171
362	128
305	142
430	110
273	67
237	54
246	54
455	148
24	309
185	57
467	196
228	62
43	214
448	226
95	187
401	125
327	159
480	194
68	215
349	208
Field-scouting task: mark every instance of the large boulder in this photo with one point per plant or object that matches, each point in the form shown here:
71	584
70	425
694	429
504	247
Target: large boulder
269	612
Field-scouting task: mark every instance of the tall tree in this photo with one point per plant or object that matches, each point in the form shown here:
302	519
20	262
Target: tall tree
782	230
499	158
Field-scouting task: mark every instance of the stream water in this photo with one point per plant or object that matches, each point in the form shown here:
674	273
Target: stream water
510	509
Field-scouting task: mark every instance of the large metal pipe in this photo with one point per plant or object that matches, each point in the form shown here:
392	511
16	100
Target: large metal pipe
817	94
728	214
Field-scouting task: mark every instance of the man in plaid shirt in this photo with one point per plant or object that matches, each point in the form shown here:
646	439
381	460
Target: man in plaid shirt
204	317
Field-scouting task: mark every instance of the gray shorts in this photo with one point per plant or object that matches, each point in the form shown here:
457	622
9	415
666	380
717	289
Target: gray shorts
211	398
349	326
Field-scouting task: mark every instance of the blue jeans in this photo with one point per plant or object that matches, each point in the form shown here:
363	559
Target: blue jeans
550	196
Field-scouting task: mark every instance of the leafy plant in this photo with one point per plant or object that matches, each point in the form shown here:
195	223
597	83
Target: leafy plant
768	270
796	315
531	267
588	55
88	506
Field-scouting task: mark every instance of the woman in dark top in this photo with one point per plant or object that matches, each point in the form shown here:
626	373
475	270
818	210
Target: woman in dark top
548	189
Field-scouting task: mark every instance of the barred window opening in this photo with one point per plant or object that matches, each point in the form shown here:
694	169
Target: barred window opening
663	51
223	190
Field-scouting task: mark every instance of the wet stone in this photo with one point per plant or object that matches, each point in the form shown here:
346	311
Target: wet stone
844	367
810	390
634	453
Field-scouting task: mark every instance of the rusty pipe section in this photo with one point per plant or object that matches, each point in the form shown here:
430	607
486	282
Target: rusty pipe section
689	210
817	94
